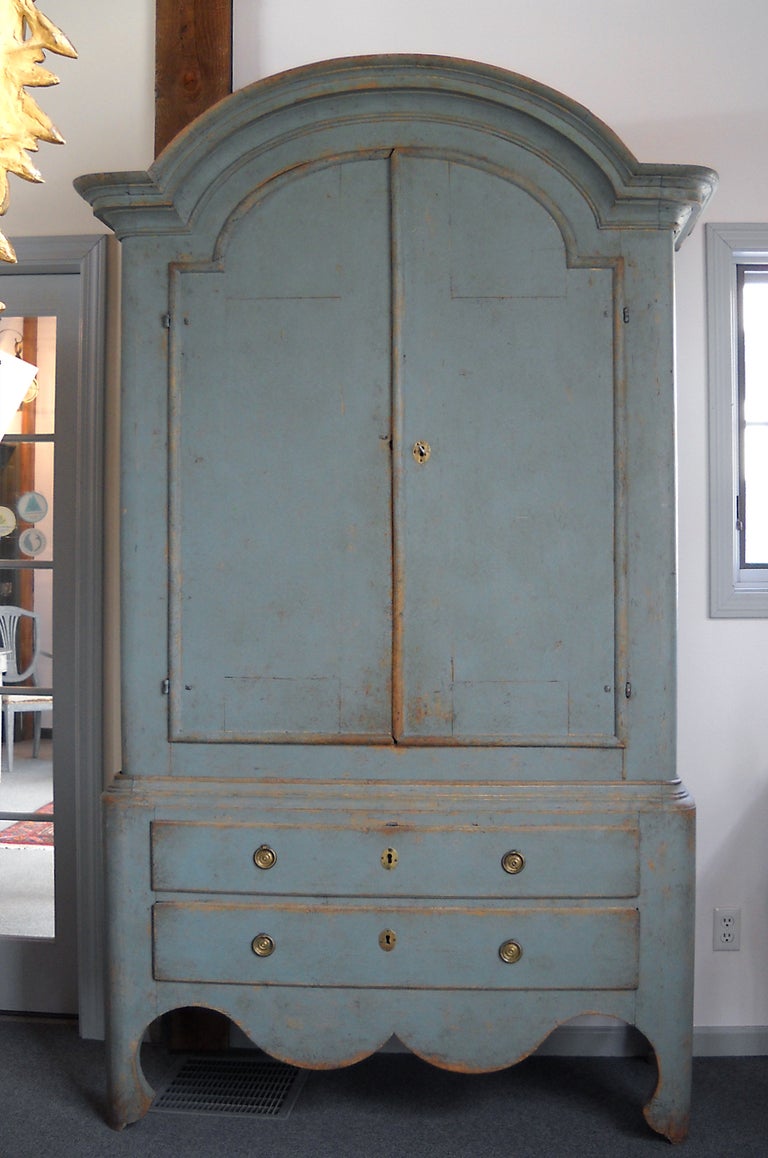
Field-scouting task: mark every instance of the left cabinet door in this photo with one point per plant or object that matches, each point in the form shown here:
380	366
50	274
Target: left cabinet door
281	563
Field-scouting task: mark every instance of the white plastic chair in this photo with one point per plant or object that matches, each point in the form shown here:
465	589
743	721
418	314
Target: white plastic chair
26	699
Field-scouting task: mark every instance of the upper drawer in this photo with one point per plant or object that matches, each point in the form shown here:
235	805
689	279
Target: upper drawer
462	861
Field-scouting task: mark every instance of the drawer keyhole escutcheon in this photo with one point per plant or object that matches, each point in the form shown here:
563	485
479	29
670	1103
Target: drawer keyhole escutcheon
389	858
387	940
421	451
264	857
510	952
263	945
513	862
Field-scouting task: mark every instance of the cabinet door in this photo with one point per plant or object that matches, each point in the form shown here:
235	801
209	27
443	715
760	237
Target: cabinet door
487	557
504	533
281	566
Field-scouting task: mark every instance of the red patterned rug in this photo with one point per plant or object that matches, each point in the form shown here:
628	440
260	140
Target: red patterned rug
29	831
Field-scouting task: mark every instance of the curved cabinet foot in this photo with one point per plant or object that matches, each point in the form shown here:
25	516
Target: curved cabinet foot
663	1120
129	1095
668	1111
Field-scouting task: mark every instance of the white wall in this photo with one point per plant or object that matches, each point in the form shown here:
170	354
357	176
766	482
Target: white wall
103	107
678	83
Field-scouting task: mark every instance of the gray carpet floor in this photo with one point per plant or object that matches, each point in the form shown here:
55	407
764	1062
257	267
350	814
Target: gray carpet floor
52	1102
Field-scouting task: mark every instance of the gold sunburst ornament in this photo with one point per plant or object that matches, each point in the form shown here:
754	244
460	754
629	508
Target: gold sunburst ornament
25	35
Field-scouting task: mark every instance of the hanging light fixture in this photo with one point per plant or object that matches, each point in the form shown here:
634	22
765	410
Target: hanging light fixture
16	377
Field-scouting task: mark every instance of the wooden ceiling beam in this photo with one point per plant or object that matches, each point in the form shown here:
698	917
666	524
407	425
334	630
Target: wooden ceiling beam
193	62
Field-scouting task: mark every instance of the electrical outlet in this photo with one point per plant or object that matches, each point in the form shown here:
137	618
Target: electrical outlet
726	930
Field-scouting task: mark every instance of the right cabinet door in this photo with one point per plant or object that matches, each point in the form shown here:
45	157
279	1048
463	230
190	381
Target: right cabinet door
504	368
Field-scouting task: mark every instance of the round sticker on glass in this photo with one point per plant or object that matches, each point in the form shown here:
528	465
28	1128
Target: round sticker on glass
32	542
7	521
32	507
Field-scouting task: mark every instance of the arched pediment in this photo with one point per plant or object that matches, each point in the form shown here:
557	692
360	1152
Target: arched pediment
437	105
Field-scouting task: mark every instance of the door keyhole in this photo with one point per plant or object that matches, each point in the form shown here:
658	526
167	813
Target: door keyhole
389	858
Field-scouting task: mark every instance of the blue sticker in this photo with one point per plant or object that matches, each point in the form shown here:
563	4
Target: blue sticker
32	542
32	507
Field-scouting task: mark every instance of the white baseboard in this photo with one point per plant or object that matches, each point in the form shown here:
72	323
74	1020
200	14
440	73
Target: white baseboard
616	1040
730	1041
626	1041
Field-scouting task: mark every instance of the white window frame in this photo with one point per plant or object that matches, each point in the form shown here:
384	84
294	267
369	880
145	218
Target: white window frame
733	592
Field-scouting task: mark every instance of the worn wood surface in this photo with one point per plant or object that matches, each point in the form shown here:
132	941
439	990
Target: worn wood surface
193	62
394	671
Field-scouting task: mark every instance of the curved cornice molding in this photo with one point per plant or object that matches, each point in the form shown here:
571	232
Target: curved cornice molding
621	191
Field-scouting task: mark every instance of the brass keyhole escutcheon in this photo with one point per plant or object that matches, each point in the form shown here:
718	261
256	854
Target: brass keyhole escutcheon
513	862
421	451
387	940
510	952
389	858
263	945
264	857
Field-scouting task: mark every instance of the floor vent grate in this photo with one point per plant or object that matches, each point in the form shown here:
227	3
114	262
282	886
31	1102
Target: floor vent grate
242	1085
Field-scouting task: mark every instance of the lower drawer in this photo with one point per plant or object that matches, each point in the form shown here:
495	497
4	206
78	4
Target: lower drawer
405	947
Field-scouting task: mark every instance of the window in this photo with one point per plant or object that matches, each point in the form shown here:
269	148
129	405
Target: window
737	303
752	512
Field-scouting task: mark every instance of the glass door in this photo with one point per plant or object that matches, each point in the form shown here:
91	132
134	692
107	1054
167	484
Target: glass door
27	449
38	904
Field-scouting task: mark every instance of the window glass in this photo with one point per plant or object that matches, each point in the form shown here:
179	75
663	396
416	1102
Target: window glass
737	340
753	505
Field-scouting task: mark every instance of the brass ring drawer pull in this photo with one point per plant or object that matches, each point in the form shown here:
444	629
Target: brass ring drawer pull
263	945
264	857
513	862
510	952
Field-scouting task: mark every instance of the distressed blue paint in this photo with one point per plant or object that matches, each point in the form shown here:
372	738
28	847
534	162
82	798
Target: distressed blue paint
597	860
366	652
436	947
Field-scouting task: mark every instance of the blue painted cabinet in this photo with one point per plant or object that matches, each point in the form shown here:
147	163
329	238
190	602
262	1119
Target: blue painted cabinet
398	559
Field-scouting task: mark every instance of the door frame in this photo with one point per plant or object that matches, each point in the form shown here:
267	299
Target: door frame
86	256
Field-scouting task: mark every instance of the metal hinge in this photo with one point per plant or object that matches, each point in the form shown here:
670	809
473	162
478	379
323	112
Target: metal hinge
166	321
165	687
